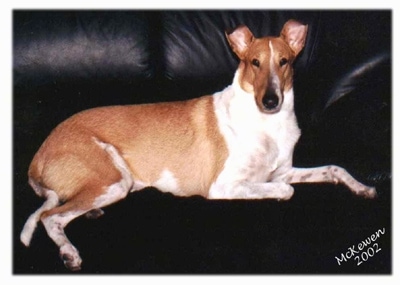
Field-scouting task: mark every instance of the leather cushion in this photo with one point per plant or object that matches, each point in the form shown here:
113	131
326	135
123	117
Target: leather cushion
54	45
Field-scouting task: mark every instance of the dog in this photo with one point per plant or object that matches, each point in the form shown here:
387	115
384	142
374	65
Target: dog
235	144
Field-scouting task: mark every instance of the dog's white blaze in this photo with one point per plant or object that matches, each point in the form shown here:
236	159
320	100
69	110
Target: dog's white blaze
275	78
167	183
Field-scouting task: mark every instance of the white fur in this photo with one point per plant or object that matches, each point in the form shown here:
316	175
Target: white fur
119	190
275	78
30	224
260	145
114	193
54	226
127	179
167	183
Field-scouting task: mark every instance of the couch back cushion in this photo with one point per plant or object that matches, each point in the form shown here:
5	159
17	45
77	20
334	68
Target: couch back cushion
195	44
80	45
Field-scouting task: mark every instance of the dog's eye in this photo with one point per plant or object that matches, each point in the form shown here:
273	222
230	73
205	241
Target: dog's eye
283	61
255	62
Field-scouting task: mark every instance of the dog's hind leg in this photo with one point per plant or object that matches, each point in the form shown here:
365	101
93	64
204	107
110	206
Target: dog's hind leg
103	184
55	220
50	203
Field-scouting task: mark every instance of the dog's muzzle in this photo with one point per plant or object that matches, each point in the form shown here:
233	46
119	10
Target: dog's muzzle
271	101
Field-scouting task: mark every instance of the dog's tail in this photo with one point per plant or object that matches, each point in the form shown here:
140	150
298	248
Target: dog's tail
51	202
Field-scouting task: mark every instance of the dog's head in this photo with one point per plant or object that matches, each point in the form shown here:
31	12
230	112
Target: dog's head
266	64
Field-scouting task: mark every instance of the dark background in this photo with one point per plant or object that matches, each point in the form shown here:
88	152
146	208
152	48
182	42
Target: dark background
67	61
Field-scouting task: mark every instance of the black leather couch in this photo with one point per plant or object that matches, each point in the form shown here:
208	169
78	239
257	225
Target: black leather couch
67	61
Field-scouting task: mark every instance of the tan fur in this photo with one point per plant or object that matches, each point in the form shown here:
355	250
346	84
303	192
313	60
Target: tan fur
182	137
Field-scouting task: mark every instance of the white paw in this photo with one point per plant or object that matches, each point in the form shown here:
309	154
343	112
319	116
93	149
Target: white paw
367	192
69	254
285	192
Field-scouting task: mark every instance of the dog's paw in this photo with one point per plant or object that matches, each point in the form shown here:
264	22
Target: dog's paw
368	192
364	191
69	254
285	192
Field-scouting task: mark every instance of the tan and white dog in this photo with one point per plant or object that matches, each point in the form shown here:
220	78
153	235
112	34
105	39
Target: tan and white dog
235	144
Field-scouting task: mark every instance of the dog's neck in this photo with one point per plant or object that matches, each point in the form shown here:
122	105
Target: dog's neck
237	108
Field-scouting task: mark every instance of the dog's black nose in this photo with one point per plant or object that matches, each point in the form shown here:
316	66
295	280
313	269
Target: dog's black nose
270	101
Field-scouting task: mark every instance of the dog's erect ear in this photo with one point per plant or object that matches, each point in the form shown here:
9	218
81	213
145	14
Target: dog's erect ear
240	39
294	34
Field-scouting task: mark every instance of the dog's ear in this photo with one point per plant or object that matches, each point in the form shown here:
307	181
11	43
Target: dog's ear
240	39
294	34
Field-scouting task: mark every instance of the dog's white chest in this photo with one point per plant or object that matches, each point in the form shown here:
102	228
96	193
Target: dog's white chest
259	145
284	131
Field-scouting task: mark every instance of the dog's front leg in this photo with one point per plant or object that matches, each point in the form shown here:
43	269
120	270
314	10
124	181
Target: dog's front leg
329	174
249	190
